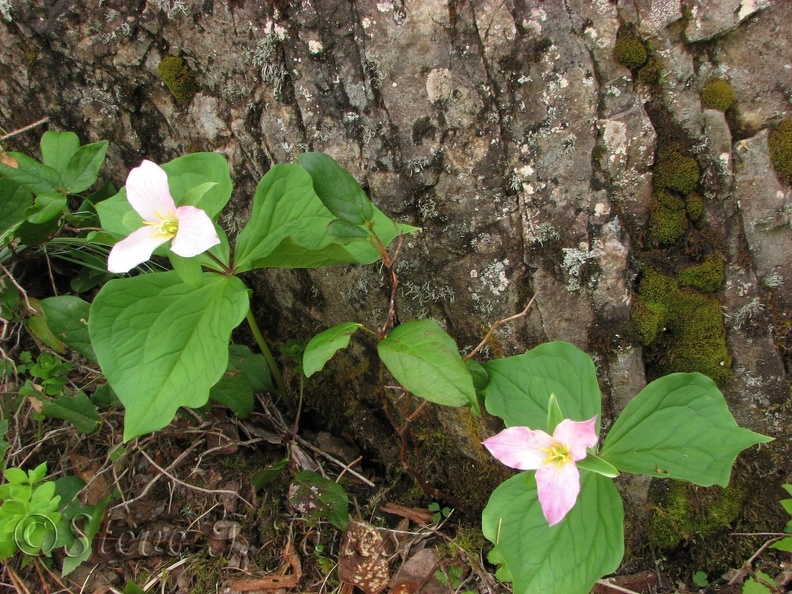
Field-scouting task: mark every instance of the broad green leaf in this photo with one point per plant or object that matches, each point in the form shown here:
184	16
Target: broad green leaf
82	170
323	346
337	189
679	426
38	473
34	234
4	445
288	227
16	476
785	544
46	208
343	232
77	410
37	324
27	172
57	148
162	344
67	317
567	558
520	387
253	365
234	391
14	201
80	550
425	360
316	498
752	586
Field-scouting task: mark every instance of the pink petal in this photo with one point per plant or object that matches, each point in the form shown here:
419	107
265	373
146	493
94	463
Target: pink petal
195	234
557	486
135	249
520	447
148	192
576	436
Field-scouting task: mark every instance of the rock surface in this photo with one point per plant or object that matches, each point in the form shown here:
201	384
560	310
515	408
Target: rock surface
508	131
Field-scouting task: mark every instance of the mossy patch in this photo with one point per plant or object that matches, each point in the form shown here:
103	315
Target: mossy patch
669	220
707	277
694	205
683	511
781	148
693	333
178	77
674	171
631	52
717	94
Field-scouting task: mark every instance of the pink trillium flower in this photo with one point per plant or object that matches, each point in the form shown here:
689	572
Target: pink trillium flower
189	227
553	458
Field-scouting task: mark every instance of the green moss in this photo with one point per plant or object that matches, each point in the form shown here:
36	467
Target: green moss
685	511
707	277
178	77
695	337
649	318
694	205
668	220
717	94
781	148
674	171
652	72
631	52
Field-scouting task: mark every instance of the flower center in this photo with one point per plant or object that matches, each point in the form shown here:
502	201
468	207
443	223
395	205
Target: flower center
167	227
558	454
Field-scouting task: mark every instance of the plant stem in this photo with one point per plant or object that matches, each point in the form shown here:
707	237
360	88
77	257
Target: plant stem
273	366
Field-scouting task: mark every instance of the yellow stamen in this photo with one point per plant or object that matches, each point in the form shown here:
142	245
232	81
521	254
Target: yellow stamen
558	453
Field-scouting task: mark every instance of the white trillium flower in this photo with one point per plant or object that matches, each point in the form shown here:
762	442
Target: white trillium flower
190	228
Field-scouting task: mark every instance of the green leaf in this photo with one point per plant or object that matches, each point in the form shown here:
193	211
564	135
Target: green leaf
785	544
262	478
337	189
46	208
751	586
343	232
323	346
38	473
82	170
4	445
77	410
596	464
288	227
14	201
567	558
520	387
162	344
554	414
57	148
679	426
234	391
316	497
188	269
425	360
27	172
253	365
67	317
37	324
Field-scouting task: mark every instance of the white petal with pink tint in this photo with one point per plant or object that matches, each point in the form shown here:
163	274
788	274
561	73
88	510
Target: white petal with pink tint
135	249
196	232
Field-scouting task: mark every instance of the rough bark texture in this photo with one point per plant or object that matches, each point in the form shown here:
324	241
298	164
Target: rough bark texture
507	130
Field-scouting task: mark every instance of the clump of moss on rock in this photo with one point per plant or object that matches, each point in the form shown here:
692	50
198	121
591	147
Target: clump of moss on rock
781	148
631	52
694	205
674	171
707	277
717	94
690	322
667	223
684	511
178	77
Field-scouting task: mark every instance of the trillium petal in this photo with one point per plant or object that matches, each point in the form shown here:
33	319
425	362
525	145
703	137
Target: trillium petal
148	192
196	232
135	249
520	447
577	436
557	487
